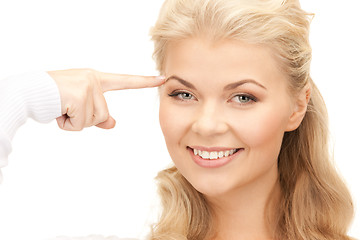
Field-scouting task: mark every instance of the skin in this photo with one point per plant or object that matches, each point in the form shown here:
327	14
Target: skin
82	95
252	116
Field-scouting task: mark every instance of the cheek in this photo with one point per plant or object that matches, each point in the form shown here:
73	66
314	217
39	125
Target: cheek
173	122
166	120
264	127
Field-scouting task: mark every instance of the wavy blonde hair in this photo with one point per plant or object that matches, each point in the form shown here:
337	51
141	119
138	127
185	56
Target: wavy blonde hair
315	203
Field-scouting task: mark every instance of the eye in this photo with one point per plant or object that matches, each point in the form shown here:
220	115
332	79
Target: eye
244	99
182	95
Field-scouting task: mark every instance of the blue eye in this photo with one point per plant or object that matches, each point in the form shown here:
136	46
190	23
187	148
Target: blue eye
244	99
182	95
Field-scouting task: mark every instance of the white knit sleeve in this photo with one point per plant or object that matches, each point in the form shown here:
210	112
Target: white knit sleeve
34	95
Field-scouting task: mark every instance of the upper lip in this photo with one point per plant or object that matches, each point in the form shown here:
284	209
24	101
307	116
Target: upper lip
212	149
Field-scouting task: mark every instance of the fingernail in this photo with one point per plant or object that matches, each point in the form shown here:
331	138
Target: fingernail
160	77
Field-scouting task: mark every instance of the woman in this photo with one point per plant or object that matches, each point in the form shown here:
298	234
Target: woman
244	124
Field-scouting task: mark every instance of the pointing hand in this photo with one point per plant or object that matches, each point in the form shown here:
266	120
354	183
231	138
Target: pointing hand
82	100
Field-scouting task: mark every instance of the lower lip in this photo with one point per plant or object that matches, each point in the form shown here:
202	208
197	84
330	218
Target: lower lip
213	163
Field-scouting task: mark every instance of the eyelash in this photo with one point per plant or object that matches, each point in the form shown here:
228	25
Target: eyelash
177	94
251	99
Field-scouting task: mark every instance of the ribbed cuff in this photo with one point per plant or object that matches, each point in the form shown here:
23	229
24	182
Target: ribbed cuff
34	95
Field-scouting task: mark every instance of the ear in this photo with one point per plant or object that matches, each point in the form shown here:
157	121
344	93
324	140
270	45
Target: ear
300	109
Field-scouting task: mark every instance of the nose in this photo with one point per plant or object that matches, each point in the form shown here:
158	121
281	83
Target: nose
209	120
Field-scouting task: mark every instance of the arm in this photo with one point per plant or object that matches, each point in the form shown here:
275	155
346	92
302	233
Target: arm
32	95
74	97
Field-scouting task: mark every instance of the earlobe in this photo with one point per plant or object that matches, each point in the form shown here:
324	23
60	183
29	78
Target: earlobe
300	109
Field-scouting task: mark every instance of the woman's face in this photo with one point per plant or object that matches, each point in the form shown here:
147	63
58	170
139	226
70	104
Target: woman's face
223	111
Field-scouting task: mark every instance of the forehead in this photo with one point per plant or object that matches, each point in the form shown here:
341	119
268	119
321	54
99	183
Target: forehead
227	60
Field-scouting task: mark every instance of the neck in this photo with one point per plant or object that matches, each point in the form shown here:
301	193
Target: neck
247	212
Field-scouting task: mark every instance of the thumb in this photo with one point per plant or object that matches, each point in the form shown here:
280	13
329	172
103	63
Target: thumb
108	124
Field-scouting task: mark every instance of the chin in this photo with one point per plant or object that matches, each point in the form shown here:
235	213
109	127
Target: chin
211	188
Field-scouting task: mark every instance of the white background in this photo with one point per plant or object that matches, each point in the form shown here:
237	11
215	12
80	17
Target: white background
101	182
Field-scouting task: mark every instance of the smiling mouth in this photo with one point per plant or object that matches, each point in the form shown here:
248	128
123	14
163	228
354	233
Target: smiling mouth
213	155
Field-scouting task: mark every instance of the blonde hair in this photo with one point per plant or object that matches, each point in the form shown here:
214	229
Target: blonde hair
315	202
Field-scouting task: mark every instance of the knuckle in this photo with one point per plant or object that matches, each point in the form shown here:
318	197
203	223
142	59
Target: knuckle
91	77
91	74
105	116
101	117
88	71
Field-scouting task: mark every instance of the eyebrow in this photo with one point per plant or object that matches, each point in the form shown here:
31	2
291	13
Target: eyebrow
241	82
182	81
226	88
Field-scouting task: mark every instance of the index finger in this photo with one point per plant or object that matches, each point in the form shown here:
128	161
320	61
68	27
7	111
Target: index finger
112	81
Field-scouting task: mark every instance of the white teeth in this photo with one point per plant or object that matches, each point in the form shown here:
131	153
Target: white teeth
205	155
227	153
213	155
195	152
